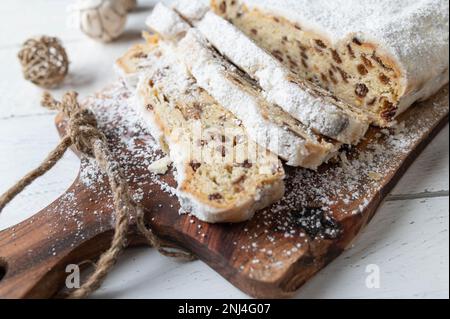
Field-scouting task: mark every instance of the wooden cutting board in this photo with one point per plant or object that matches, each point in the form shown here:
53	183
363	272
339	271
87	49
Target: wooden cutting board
270	256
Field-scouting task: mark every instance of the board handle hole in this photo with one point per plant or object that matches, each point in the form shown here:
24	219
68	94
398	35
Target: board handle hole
3	268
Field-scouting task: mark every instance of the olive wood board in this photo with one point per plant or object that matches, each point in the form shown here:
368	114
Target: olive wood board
270	256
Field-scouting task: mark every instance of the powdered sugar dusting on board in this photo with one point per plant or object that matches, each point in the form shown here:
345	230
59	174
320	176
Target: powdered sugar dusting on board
131	147
311	212
316	203
129	142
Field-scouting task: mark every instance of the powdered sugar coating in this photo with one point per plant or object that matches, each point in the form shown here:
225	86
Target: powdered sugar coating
276	81
167	21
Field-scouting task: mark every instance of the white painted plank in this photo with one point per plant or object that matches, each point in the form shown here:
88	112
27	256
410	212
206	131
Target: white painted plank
429	173
408	241
90	61
30	18
143	273
24	143
90	70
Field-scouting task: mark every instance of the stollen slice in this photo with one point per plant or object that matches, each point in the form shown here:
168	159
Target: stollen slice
222	176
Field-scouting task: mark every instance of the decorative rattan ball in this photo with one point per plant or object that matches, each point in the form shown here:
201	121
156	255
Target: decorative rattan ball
102	20
44	61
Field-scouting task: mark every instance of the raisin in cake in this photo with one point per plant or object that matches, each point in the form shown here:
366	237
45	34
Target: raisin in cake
222	176
380	56
266	124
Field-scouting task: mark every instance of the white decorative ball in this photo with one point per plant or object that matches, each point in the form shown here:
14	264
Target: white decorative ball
102	20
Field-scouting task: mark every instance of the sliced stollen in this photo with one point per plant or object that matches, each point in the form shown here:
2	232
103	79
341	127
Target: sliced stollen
380	56
191	10
308	103
265	123
222	176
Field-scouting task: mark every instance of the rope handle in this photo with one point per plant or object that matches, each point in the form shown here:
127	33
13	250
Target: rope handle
84	134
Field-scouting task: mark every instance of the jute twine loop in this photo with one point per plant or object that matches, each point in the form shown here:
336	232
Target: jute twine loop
44	61
166	250
82	125
84	135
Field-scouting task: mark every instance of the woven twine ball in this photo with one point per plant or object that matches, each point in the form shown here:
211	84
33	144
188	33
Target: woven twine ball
44	61
102	20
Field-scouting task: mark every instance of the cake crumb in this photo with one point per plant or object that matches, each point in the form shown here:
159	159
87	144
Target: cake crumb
160	167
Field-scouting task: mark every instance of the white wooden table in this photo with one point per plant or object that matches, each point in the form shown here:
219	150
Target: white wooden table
408	239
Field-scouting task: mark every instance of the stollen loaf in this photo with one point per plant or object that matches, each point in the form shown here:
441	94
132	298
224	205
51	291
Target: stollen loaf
380	56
